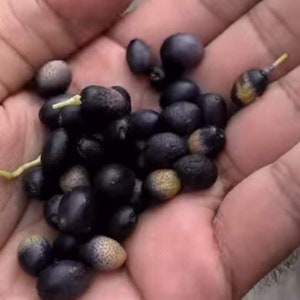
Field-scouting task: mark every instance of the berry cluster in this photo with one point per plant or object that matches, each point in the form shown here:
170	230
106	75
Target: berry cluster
103	165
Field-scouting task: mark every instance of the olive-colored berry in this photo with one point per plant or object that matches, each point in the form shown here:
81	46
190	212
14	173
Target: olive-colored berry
161	185
35	254
196	171
51	210
64	280
103	254
208	140
181	118
163	149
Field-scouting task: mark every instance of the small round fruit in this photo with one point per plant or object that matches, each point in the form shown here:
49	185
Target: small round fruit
163	149
181	90
71	118
37	185
64	280
50	116
214	109
103	103
103	254
196	171
35	254
76	212
76	176
51	210
53	78
90	149
208	141
115	182
145	123
123	92
122	223
139	57
181	118
119	131
54	156
181	52
66	247
161	185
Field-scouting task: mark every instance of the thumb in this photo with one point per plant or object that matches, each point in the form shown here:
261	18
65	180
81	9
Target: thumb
35	31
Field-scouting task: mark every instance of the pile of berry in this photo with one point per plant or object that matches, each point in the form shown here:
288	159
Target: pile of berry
103	165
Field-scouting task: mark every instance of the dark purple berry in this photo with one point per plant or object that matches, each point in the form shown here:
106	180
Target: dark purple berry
51	210
66	247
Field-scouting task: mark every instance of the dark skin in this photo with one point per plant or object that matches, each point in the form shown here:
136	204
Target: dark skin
208	245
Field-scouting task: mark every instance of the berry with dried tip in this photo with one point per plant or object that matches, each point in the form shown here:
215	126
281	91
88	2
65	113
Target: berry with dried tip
35	254
103	254
163	149
161	185
181	90
214	109
76	176
181	52
181	118
122	223
196	171
53	78
76	213
55	153
208	141
51	210
158	78
139	57
145	123
115	183
66	247
64	280
50	116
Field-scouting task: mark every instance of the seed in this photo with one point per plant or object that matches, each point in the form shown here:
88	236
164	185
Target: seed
103	103
38	185
122	223
208	141
163	149
66	247
53	78
51	210
214	109
181	52
181	118
145	123
181	90
91	150
50	116
139	57
34	254
64	280
71	119
161	185
76	176
103	254
76	212
253	83
197	171
54	156
115	182
119	131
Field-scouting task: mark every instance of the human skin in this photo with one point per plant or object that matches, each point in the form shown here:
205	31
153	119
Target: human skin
214	244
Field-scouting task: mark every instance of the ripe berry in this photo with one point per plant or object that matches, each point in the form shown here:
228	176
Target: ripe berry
51	210
66	247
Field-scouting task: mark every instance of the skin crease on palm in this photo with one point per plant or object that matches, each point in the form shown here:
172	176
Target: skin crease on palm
208	245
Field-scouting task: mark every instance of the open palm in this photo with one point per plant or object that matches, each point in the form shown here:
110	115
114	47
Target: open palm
208	245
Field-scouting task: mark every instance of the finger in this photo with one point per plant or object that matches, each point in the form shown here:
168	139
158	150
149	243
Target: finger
257	225
206	19
25	44
252	42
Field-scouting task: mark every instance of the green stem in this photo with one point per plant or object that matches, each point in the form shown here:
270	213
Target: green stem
76	100
19	171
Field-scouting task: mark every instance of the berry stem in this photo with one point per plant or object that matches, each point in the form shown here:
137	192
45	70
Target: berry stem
276	63
76	100
19	171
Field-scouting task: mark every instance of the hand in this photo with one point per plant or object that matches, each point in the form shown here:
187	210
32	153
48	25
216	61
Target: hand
208	245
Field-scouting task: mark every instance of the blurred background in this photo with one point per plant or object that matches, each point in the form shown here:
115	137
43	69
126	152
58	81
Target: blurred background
283	282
